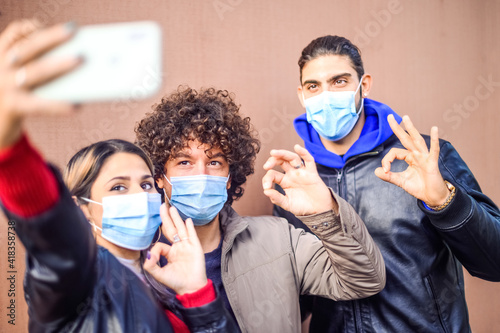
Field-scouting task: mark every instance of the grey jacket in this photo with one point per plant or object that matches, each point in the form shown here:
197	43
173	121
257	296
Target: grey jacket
267	264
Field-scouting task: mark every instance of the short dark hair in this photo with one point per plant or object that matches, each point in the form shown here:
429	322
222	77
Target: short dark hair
332	45
209	116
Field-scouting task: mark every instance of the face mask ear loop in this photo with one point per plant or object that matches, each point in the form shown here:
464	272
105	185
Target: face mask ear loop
165	192
358	112
92	201
95	227
92	223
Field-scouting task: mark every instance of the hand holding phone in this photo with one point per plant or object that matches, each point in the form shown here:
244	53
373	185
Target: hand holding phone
120	61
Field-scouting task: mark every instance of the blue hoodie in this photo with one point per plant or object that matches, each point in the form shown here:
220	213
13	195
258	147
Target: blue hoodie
375	131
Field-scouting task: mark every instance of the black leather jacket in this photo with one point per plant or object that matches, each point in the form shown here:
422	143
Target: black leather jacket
73	285
423	250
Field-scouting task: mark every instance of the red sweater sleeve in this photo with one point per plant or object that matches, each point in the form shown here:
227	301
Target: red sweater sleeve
27	185
198	298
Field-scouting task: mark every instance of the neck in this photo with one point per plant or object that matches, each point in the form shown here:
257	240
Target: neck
209	235
116	250
341	146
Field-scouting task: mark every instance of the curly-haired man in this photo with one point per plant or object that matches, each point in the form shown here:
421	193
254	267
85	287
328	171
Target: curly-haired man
203	151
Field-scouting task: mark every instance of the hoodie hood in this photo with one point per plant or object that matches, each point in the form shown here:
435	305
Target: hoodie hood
375	131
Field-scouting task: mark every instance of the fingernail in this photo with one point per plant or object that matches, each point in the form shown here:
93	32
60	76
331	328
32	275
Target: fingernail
148	255
70	27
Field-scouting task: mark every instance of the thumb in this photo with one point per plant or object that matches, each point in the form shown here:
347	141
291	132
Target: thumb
151	265
380	173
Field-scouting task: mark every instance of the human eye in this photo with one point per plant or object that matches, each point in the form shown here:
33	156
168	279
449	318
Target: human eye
312	88
147	186
118	188
340	82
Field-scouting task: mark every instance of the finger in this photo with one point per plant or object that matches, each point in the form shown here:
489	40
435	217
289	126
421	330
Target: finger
418	140
400	133
29	104
270	163
151	262
434	150
394	153
16	31
191	232
44	70
390	177
154	254
276	198
305	156
382	174
42	41
271	176
168	227
178	222
286	159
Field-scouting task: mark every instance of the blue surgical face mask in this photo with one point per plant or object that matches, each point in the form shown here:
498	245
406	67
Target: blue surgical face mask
333	114
130	220
199	197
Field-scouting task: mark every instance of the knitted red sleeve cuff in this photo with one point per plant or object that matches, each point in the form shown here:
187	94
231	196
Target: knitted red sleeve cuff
27	185
200	297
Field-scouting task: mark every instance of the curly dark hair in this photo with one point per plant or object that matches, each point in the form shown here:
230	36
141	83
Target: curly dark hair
209	116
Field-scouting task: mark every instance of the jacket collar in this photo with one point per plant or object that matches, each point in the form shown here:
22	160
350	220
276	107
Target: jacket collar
232	224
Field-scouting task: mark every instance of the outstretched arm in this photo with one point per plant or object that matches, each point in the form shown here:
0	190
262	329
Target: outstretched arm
46	220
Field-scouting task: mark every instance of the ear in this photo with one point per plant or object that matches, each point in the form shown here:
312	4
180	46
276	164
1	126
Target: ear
300	95
84	208
366	85
160	183
228	184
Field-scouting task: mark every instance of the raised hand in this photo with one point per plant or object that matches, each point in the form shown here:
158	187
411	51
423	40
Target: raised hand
21	69
185	271
305	191
422	178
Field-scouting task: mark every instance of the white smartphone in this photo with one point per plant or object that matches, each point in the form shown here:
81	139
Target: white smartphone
122	61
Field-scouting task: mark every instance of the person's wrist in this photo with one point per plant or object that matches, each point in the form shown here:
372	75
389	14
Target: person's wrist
450	196
192	287
10	133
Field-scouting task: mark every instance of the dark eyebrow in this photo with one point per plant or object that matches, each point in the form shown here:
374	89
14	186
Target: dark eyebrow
181	155
310	81
219	154
127	178
336	77
333	78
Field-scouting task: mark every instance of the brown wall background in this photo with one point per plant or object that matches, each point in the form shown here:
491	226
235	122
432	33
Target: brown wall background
436	61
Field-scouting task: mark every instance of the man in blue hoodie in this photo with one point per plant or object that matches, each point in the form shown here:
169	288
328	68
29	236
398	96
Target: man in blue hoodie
425	233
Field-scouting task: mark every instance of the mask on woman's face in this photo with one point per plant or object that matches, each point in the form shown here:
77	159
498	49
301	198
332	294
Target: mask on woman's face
199	197
333	114
130	220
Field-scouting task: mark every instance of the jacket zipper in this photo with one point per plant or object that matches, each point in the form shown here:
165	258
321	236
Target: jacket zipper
355	305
